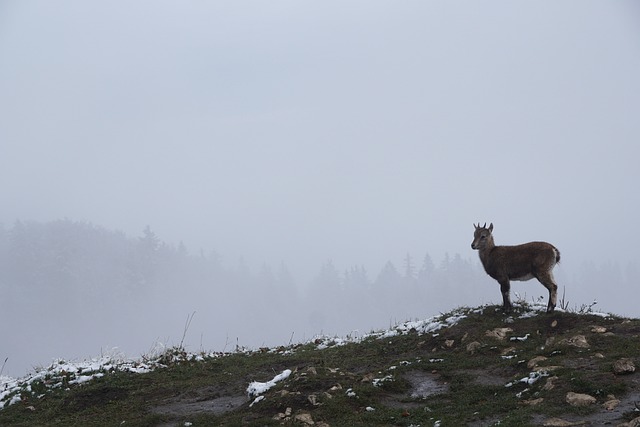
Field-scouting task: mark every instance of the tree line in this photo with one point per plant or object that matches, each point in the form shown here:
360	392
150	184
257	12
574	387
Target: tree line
80	277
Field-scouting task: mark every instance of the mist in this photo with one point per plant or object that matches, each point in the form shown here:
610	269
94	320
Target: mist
309	141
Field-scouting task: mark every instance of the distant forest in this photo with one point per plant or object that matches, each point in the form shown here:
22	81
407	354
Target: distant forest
88	264
68	270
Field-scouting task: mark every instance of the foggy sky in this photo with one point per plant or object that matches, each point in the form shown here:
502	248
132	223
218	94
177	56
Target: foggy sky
298	132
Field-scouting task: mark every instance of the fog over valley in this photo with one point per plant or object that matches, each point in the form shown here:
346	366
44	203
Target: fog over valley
285	169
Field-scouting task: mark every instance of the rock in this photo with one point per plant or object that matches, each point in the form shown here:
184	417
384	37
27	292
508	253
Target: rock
534	362
305	418
549	385
624	366
474	346
449	343
610	405
559	422
579	399
633	423
579	341
367	378
598	329
313	399
508	350
533	402
554	323
498	333
283	415
547	369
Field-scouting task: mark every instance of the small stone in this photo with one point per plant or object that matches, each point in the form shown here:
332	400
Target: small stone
554	323
305	418
598	355
474	346
313	399
559	422
549	368
598	329
579	399
498	333
633	423
533	402
610	405
449	343
549	385
312	370
624	366
579	341
508	350
534	362
367	378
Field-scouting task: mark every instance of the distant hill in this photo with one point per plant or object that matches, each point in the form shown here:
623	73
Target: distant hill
471	366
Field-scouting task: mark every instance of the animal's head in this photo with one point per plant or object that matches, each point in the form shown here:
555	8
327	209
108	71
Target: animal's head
482	236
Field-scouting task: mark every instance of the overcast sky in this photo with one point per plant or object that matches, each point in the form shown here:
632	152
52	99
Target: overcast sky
305	131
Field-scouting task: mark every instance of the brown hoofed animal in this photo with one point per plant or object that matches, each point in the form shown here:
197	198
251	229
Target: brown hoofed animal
521	262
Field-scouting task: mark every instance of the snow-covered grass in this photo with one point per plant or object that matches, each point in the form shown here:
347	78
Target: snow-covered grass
62	374
257	388
431	325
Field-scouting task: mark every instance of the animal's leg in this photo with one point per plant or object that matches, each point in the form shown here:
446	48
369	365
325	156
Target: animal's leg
505	287
549	282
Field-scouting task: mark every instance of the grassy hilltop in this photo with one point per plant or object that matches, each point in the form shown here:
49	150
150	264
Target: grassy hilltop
472	366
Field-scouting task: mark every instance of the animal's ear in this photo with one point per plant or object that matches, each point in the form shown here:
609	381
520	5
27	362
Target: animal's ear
491	227
476	226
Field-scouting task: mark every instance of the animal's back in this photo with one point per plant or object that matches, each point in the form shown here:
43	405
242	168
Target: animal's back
520	261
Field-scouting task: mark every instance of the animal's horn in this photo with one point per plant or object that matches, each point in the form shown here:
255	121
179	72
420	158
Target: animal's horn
485	225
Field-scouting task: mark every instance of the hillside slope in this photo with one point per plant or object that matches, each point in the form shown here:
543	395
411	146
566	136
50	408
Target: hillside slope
468	367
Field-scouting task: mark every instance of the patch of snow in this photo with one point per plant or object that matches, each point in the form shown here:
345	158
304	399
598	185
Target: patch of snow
63	373
377	382
524	338
421	327
257	388
532	378
256	400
